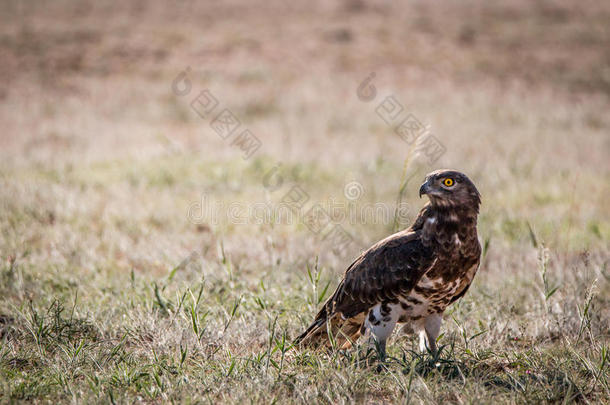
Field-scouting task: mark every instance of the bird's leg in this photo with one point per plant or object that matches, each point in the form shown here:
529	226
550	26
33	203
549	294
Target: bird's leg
432	328
379	346
422	341
380	323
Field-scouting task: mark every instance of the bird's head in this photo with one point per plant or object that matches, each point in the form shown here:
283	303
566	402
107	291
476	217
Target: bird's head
450	188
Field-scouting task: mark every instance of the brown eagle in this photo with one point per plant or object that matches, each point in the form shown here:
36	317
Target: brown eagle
411	276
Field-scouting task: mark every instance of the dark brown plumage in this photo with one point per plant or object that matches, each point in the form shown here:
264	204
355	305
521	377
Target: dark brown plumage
410	276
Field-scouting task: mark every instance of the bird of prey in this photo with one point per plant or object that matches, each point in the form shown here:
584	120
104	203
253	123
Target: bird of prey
409	277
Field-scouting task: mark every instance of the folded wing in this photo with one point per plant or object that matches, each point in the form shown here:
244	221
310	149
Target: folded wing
384	272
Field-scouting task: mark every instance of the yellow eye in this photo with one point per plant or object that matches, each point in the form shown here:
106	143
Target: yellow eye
448	182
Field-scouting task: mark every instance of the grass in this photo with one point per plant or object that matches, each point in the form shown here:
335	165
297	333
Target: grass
215	324
112	292
197	339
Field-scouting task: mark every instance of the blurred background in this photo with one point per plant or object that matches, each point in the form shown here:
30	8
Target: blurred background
517	94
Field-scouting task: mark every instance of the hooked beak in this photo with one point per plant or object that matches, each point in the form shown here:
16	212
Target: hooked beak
423	189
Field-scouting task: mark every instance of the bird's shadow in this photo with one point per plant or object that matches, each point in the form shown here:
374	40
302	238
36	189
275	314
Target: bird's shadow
443	363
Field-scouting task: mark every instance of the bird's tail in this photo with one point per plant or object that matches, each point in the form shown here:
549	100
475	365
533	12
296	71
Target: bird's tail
343	332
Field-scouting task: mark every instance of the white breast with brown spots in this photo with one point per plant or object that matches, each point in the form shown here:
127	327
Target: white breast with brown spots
431	296
422	309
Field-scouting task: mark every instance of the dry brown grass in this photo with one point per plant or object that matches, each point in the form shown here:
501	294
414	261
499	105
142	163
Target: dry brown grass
100	163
